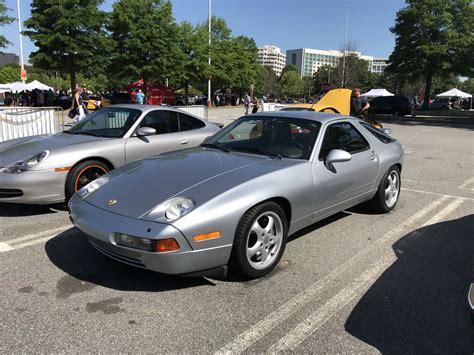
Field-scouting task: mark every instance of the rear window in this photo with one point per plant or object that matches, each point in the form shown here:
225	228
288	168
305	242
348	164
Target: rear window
378	133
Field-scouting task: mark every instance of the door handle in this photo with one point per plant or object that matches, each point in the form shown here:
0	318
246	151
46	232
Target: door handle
184	142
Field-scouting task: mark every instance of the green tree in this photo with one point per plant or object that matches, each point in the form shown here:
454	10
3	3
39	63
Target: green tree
192	59
244	71
269	84
69	35
4	19
432	38
290	82
144	33
468	86
9	73
308	87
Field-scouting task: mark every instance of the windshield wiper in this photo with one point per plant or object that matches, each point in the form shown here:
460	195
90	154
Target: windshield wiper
215	146
257	151
87	133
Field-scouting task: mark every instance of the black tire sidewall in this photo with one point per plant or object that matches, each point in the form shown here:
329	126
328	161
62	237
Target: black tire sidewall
379	202
71	177
238	263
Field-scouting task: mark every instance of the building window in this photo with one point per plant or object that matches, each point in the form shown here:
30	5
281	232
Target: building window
293	58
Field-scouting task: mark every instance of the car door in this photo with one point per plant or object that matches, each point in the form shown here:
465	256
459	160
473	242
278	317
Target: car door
193	128
349	182
166	139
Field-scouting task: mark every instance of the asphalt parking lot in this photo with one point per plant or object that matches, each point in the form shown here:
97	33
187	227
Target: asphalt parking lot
357	282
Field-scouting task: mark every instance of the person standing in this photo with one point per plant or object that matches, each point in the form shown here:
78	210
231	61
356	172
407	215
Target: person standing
139	97
77	105
255	104
359	104
133	96
247	102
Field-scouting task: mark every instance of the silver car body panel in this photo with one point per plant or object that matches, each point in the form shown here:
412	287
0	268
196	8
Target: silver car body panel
224	185
43	185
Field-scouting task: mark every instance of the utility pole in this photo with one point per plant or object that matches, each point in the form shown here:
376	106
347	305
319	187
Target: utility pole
209	98
21	40
344	56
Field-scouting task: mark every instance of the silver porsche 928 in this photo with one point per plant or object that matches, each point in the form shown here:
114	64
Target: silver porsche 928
234	200
51	168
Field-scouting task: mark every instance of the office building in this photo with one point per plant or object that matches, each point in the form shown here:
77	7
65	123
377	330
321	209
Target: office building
271	56
308	61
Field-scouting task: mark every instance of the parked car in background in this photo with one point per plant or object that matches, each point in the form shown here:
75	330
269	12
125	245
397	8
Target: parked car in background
393	105
441	103
93	103
230	201
51	168
116	98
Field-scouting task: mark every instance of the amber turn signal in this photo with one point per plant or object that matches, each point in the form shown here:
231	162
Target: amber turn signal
164	245
206	236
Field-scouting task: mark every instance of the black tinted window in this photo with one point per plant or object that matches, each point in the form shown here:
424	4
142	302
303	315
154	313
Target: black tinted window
161	120
342	136
378	134
187	123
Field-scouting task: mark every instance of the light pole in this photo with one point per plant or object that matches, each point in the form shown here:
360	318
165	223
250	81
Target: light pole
21	39
344	56
209	99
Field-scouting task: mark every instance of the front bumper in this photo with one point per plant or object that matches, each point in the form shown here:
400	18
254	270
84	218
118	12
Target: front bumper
100	226
35	187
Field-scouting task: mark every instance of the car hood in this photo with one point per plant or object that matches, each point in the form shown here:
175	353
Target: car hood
141	186
23	148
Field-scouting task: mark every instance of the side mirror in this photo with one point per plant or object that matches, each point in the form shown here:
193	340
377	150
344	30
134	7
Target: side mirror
387	131
336	156
146	131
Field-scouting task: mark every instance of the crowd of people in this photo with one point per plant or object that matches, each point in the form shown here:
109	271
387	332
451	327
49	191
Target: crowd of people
35	97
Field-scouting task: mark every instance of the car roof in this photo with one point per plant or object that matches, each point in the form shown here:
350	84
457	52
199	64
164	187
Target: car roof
307	115
148	107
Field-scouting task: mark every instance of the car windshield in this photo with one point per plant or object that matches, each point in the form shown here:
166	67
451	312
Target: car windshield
276	137
112	122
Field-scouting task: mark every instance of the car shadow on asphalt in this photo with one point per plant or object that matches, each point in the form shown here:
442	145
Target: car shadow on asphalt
419	304
21	210
71	252
433	121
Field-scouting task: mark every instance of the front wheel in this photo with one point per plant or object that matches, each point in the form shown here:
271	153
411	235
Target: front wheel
260	241
82	174
388	192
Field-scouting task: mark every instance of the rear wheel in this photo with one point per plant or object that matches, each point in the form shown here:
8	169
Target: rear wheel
260	241
388	192
82	174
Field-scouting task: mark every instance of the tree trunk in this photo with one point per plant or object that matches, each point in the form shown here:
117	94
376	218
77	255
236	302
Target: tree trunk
426	98
145	89
73	81
186	93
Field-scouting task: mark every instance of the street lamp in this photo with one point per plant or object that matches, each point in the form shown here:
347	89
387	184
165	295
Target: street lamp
21	40
209	80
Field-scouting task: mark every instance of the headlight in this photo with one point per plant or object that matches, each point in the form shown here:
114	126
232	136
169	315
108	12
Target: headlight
27	164
178	207
92	186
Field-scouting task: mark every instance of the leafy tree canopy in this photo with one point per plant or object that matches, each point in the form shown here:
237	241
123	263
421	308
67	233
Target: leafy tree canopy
4	19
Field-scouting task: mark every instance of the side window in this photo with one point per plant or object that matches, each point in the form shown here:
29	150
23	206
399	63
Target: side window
187	123
342	136
161	120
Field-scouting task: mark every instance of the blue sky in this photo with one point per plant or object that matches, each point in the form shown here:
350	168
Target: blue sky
287	24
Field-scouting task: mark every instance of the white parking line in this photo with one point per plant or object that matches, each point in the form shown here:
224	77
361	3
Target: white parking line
436	194
31	239
261	328
317	319
467	183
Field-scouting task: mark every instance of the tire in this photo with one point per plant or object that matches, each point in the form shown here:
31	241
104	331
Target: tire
249	247
83	173
384	201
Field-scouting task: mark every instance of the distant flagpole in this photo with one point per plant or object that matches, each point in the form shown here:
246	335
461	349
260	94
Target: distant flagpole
344	55
209	98
21	38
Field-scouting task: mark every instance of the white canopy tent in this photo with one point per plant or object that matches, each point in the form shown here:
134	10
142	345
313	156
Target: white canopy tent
35	84
454	93
377	92
18	86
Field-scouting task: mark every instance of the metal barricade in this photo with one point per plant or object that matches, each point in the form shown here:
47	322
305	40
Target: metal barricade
19	122
197	110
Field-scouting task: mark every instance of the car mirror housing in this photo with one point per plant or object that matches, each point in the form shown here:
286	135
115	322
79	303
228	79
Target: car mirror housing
146	131
336	156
